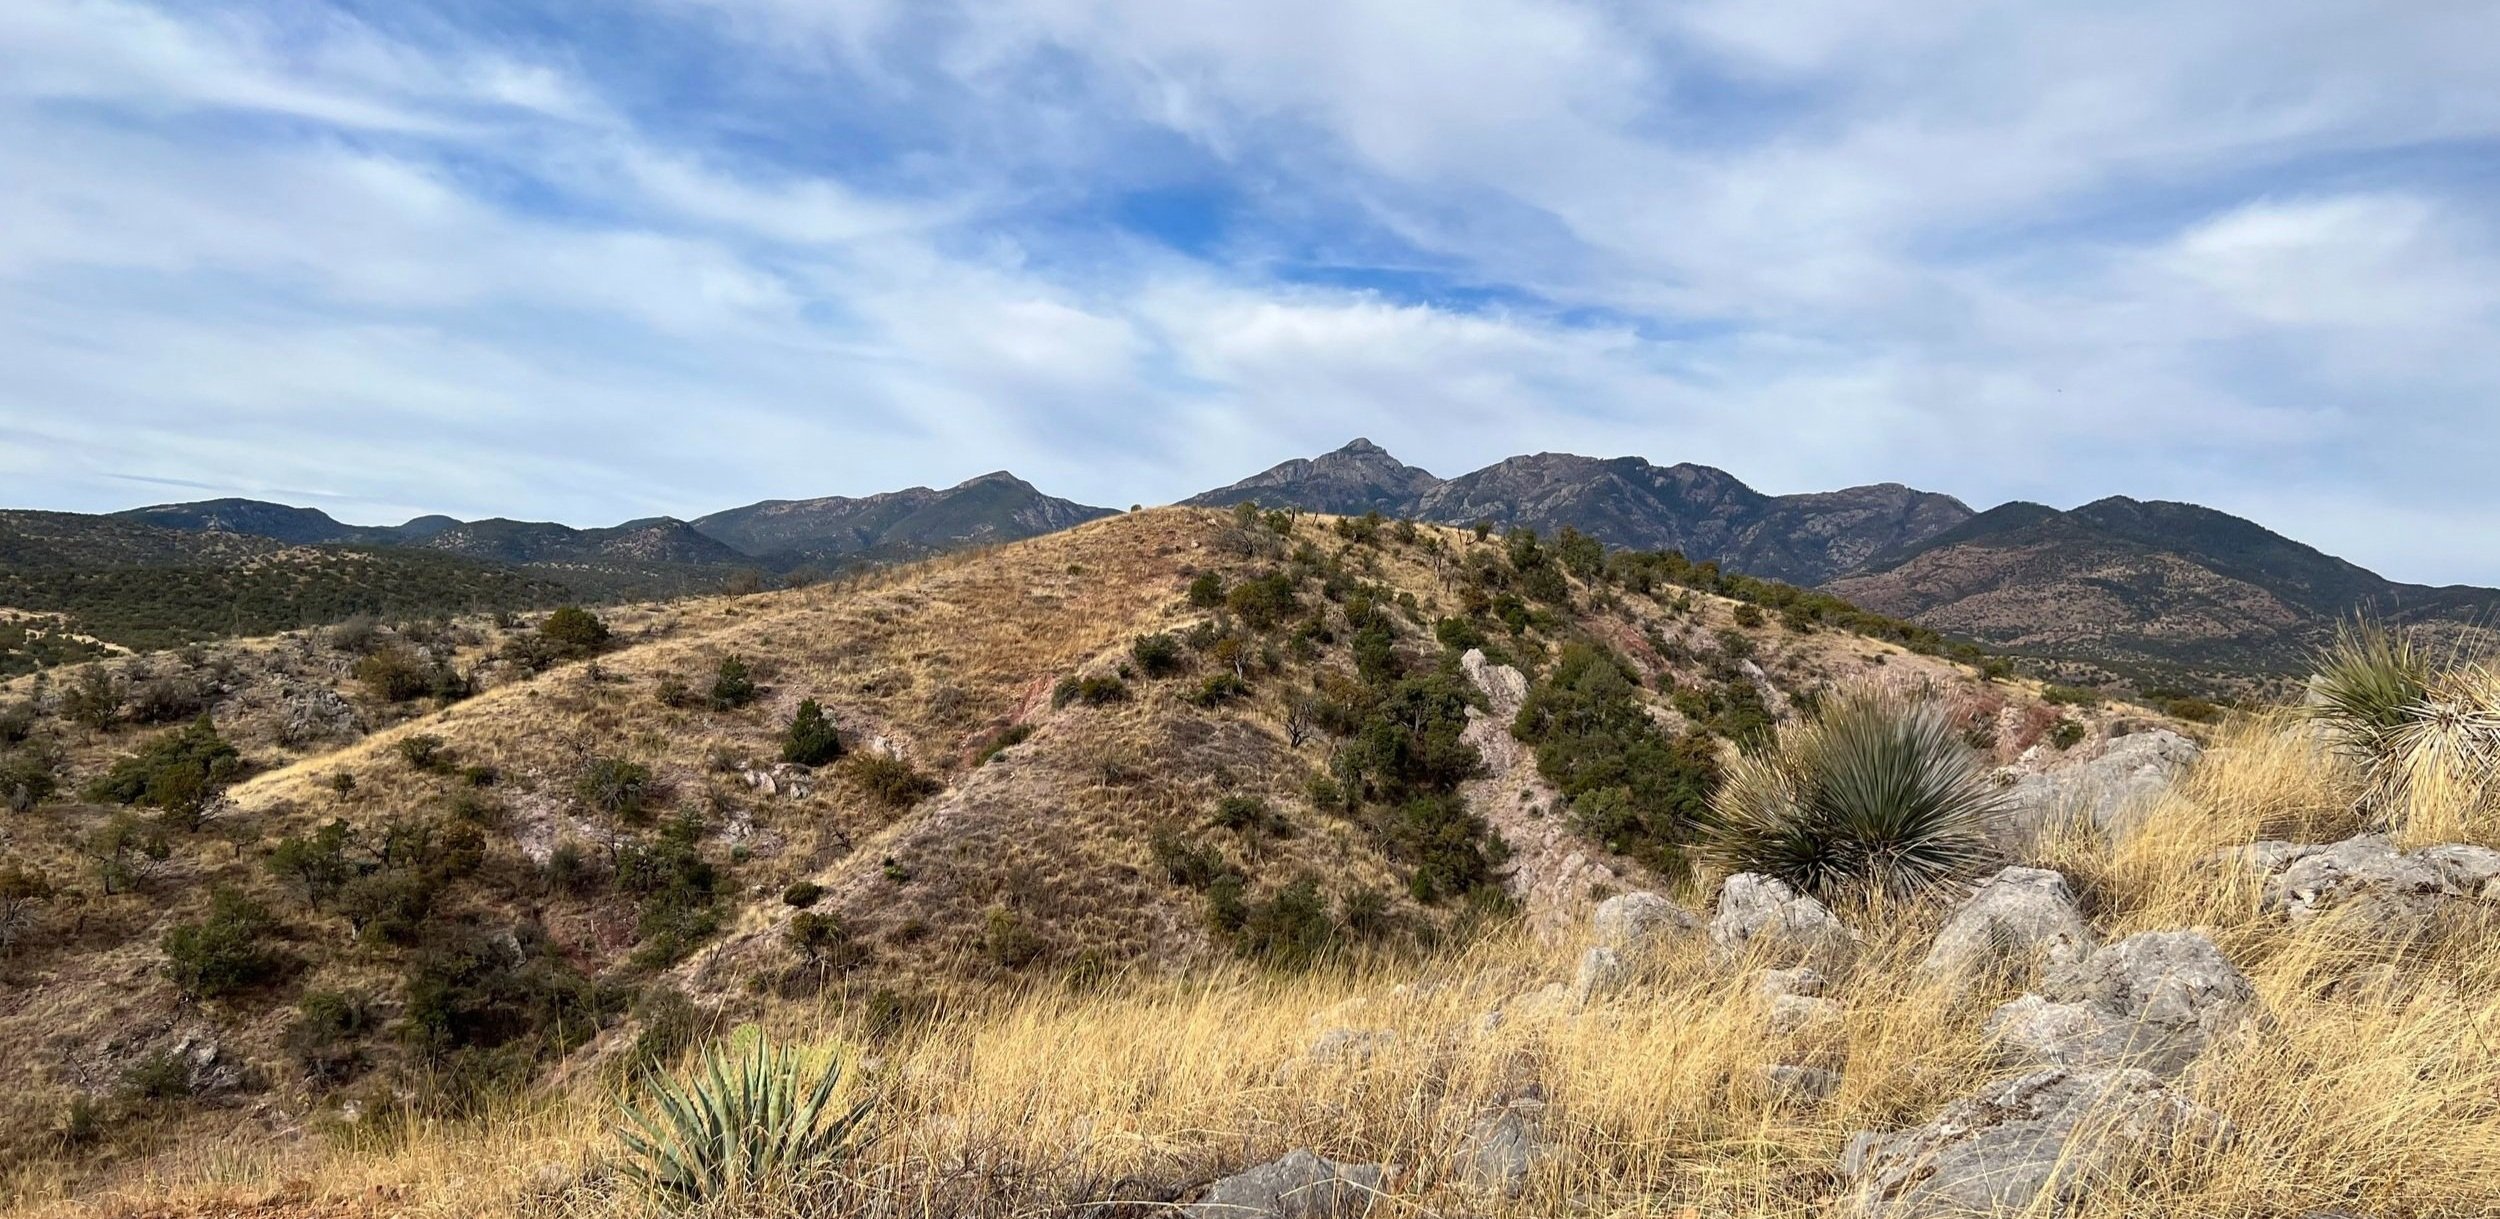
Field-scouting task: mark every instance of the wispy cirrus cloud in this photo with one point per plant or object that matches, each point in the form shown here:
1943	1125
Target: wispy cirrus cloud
678	254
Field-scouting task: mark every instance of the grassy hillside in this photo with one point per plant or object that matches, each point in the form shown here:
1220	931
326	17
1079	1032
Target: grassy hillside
450	861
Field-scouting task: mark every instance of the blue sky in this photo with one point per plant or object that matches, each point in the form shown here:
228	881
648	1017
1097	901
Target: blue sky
591	260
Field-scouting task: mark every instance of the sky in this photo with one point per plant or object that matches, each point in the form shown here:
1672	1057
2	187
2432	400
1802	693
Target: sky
593	260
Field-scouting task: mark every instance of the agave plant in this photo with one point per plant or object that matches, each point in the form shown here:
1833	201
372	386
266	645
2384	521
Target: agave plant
748	1120
1876	794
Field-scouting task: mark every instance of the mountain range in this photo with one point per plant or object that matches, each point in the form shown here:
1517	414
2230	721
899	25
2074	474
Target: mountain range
2159	593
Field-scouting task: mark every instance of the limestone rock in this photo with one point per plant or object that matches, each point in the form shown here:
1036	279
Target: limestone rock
2032	1145
1800	1085
2106	792
2019	919
1502	1147
2153	1001
1794	1014
1760	915
1635	923
2371	886
1777	984
318	713
1603	971
1299	1186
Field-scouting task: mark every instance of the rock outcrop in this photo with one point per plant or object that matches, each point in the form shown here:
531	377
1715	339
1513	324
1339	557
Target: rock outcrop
2153	1001
2032	1145
1299	1186
1762	917
2365	886
2106	792
2016	922
1551	870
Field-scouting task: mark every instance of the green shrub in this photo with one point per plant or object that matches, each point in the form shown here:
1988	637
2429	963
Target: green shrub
124	850
423	751
1876	794
2071	696
2066	734
1290	930
748	1121
164	700
181	773
1219	689
1630	785
733	686
824	942
1093	691
92	701
27	778
315	863
1251	817
614	785
1457	634
328	1025
1749	616
2193	710
572	632
1009	941
156	1079
17	722
802	894
1263	602
1157	655
1191	867
392	674
1001	741
1207	590
890	780
811	739
225	953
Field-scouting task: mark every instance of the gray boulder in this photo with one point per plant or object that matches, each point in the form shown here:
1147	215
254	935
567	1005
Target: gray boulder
1794	1014
2153	1001
2107	792
2467	871
1299	1186
318	713
1636	923
2019	920
2370	885
2034	1145
1502	1147
1803	980
1797	1085
1603	972
1761	916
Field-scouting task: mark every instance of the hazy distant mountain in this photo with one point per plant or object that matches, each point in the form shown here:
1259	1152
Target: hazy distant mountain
1359	478
1706	513
145	586
997	507
2130	584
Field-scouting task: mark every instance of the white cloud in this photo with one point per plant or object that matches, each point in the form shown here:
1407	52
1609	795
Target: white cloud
2218	252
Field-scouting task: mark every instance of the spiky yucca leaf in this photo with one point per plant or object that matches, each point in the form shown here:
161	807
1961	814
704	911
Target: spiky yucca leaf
1876	794
2367	684
747	1121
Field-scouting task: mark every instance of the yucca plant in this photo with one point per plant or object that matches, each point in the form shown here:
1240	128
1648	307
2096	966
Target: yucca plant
2367	684
2424	732
749	1120
1877	794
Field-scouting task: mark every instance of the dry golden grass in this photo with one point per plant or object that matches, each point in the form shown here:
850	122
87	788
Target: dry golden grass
2371	1085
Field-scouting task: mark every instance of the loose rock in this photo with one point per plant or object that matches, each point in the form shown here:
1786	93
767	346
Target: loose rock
1299	1186
1761	915
2153	1001
2020	919
2041	1141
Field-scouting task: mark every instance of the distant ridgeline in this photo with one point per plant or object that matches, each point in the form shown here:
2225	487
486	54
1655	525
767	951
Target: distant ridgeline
2163	595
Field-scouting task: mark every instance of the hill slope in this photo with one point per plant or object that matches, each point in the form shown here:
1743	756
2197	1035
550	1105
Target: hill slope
991	509
1312	750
